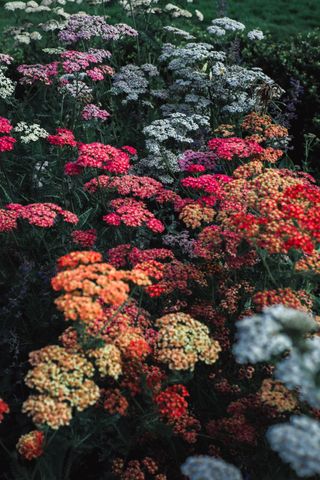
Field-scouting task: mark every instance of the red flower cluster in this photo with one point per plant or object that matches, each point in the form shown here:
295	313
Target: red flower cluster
62	137
234	147
5	125
4	408
172	403
132	213
85	238
6	142
30	446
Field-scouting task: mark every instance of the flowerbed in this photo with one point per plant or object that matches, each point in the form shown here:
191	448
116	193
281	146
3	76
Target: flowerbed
160	256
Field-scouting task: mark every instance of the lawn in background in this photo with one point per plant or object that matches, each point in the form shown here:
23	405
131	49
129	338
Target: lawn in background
282	18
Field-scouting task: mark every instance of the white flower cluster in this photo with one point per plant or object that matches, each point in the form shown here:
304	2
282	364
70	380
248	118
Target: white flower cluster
220	26
238	89
7	86
261	337
298	443
132	81
77	89
35	7
190	66
22	36
133	5
177	31
30	132
203	467
176	11
255	35
164	137
301	370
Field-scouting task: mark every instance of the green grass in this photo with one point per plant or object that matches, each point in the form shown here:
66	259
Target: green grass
282	18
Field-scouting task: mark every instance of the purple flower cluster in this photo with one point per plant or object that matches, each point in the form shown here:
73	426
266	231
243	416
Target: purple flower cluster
190	157
84	27
182	240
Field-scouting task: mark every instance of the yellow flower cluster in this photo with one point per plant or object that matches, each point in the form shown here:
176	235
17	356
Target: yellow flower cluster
183	341
108	360
275	394
63	381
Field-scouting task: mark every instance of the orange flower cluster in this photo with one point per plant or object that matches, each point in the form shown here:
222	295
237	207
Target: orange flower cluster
276	395
63	381
183	341
89	283
171	276
263	125
298	299
30	446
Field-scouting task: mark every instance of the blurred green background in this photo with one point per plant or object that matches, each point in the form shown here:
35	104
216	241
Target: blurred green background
282	18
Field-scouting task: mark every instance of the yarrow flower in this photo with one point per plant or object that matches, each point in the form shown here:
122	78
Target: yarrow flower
92	111
228	148
62	137
63	381
202	467
85	238
98	155
298	443
5	125
132	213
301	369
4	408
261	337
172	402
183	341
30	132
255	34
89	283
41	214
30	445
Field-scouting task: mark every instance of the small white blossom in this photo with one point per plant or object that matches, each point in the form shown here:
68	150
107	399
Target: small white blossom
228	24
255	35
30	132
215	30
15	6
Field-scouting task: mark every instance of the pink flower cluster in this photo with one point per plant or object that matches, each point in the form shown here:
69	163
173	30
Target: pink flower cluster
232	147
39	214
141	187
132	213
6	142
98	155
38	73
91	112
74	61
